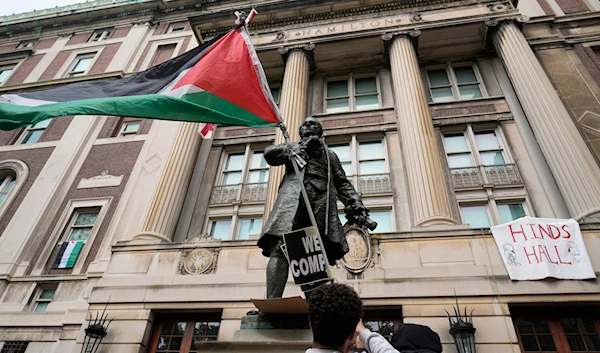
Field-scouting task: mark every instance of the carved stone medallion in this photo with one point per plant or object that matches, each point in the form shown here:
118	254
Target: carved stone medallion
361	254
199	261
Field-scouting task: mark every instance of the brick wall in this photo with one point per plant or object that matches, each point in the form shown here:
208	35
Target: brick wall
118	159
56	64
185	44
80	38
35	160
44	43
105	58
161	28
120	32
24	70
56	128
8	47
571	6
9	137
112	126
591	61
138	66
546	7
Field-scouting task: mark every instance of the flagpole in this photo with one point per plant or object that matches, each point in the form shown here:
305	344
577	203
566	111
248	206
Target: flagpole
242	22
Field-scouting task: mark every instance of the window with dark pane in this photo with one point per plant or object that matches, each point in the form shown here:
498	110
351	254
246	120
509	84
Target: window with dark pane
383	327
582	334
535	335
205	331
83	224
173	335
14	347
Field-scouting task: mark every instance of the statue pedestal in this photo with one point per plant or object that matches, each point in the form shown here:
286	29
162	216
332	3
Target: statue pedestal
271	329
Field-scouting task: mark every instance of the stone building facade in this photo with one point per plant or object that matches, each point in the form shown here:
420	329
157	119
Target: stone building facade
448	116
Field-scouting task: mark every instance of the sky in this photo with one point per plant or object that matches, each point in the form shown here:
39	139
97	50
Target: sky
8	7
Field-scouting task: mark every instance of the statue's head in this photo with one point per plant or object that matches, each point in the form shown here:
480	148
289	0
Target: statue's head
310	127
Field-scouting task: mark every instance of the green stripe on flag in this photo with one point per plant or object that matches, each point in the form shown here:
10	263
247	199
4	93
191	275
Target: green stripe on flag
194	107
74	254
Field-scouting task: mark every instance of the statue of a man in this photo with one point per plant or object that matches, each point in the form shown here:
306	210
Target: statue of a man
325	181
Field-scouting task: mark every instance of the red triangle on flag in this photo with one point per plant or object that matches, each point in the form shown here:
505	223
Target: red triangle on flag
227	71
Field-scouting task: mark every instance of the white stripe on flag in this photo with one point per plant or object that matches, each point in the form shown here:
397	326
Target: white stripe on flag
65	258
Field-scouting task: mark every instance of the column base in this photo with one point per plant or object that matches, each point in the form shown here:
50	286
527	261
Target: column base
149	238
435	220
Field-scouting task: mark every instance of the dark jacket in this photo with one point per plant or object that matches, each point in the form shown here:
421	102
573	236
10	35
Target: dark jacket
413	338
282	215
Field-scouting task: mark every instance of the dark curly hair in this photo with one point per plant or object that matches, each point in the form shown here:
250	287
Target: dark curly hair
333	311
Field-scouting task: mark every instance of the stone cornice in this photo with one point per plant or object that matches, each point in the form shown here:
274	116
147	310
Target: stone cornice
290	22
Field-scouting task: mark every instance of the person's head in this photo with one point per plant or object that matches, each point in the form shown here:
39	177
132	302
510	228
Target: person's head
414	337
334	310
310	127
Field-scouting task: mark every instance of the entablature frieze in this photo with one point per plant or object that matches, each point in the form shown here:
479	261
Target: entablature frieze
269	35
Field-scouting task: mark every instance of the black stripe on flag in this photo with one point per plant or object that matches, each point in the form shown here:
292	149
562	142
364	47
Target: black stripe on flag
146	82
60	254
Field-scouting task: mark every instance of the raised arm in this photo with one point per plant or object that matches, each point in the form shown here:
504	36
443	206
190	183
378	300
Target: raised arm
279	154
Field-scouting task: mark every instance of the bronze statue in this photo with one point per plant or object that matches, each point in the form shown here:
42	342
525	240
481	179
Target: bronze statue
325	181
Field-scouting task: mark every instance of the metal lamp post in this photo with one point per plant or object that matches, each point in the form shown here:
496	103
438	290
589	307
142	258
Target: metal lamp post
461	328
95	332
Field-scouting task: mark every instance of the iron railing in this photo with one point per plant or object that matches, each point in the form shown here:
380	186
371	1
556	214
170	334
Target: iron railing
501	174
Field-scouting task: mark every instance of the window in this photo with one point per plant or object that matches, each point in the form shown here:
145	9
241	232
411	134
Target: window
475	216
511	211
565	330
33	133
276	93
383	321
365	164
7	183
352	94
5	72
130	128
43	297
249	166
176	27
177	334
100	34
486	147
361	157
482	216
454	83
77	232
248	227
220	229
477	156
81	65
14	347
26	44
163	53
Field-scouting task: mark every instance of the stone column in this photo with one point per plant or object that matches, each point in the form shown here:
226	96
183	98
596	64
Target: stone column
428	189
571	162
293	105
161	220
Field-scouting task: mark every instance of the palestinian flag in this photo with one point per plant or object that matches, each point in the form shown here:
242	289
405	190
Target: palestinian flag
68	253
219	82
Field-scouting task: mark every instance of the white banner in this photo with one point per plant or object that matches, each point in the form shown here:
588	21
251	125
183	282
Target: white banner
536	248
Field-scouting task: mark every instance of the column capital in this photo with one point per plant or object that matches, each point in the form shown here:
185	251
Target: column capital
494	22
412	35
389	38
307	48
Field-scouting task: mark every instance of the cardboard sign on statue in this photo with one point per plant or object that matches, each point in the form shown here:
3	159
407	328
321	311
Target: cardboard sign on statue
306	255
